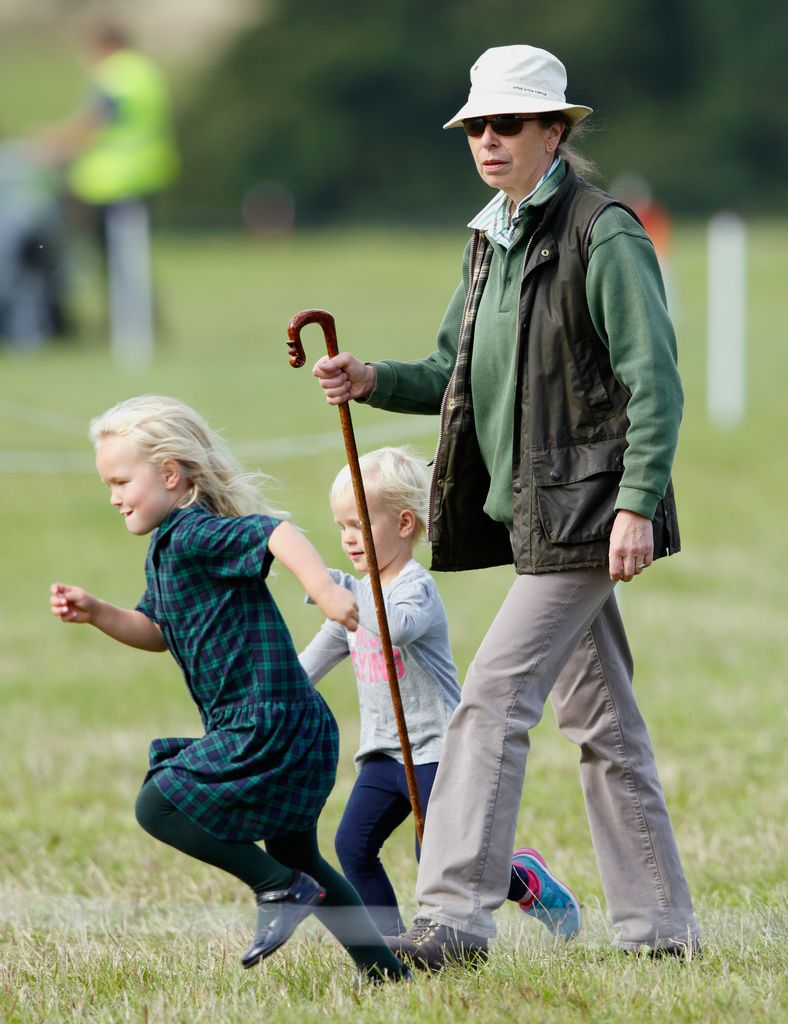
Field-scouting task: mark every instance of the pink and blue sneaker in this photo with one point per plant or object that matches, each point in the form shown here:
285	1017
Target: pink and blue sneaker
546	899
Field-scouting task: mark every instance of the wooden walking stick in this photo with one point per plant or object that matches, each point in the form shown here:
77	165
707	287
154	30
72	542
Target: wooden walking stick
297	358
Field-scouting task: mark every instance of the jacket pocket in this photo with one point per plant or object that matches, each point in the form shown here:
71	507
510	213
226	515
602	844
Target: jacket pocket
593	391
576	490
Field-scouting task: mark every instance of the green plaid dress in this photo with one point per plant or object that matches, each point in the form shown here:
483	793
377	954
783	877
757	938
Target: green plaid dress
267	761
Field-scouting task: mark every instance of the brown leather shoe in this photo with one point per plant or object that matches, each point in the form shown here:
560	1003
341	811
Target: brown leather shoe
432	946
679	950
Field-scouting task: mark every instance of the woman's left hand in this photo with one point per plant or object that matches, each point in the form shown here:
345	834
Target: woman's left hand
631	545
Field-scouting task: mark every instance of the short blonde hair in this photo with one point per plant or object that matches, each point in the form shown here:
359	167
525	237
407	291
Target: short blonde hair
165	428
398	477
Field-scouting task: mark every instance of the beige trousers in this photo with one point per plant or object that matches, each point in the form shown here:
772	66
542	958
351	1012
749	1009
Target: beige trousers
558	635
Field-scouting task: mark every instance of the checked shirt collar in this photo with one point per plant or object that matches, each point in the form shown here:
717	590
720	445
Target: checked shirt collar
172	518
499	221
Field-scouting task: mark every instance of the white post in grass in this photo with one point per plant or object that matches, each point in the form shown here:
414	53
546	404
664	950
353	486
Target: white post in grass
130	285
726	353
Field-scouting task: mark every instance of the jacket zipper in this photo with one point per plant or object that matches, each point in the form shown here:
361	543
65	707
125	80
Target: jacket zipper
518	334
444	400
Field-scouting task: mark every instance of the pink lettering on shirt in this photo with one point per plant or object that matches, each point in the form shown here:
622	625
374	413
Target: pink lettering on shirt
368	660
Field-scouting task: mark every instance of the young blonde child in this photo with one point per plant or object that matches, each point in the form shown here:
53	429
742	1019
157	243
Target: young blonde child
397	483
267	761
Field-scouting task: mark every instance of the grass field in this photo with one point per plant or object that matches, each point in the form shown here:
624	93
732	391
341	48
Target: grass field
99	923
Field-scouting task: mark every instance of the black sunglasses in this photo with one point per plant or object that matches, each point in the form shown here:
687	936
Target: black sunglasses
502	124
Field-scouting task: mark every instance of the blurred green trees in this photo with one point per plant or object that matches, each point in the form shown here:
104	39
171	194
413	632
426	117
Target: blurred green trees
343	102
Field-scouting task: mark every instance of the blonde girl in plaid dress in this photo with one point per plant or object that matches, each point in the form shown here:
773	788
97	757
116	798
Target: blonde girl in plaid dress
267	761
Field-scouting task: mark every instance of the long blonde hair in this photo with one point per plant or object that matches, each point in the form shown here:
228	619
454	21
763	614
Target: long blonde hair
166	428
398	477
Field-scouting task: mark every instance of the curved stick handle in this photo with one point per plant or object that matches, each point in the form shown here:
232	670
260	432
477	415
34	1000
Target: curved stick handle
299	321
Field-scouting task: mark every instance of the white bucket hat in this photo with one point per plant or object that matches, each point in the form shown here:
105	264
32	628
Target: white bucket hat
517	80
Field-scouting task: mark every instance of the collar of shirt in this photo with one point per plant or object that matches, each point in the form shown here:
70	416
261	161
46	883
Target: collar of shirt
172	518
495	220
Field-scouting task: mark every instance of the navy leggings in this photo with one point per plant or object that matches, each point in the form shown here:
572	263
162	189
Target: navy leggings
378	803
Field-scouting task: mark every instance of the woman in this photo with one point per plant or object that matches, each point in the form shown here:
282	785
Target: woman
556	382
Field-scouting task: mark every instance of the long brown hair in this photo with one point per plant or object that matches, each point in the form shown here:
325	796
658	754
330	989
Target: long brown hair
582	166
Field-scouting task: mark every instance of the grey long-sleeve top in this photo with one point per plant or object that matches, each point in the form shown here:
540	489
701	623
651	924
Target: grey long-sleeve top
422	655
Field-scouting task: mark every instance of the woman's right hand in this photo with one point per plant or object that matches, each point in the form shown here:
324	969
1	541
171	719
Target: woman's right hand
72	604
344	377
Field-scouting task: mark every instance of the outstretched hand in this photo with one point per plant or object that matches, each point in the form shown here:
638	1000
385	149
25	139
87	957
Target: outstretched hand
344	377
72	604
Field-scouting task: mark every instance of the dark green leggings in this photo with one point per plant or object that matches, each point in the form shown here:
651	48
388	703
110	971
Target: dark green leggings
342	911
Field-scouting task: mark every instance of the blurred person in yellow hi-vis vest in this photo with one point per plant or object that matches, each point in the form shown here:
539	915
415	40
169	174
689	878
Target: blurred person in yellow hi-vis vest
120	151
